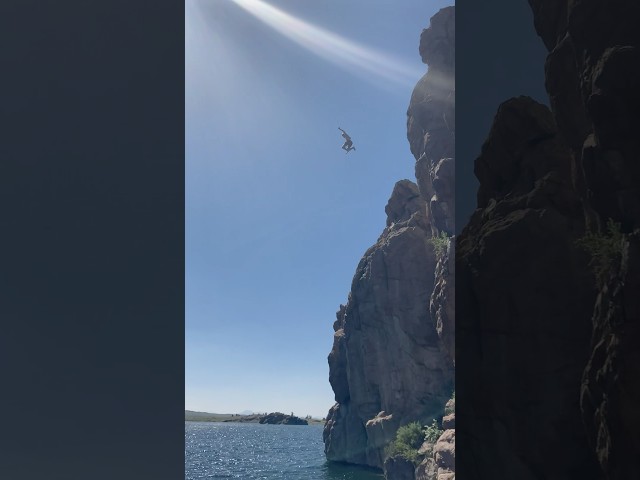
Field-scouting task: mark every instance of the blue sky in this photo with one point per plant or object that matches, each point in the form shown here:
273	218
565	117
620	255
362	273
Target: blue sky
277	215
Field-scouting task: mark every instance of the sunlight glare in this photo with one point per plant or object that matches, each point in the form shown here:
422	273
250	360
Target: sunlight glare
332	47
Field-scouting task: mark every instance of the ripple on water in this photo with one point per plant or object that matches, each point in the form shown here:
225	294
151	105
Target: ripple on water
261	452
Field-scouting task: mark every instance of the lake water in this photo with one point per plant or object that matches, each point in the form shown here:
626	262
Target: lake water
250	451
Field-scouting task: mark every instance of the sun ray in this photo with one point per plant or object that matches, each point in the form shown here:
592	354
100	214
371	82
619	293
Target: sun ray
354	57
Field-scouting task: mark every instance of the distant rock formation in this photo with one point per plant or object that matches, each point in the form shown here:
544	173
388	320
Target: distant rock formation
392	360
277	418
539	362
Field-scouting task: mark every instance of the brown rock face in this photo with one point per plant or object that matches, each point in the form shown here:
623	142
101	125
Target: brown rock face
449	422
392	357
387	366
547	371
444	452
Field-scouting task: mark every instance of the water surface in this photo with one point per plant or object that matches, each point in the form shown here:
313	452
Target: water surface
252	451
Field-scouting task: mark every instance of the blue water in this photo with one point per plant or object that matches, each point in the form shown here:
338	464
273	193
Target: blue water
250	451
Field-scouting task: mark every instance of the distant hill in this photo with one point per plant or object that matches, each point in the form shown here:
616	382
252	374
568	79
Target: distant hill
191	416
191	413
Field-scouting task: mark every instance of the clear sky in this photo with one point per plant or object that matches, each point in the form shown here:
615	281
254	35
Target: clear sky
277	215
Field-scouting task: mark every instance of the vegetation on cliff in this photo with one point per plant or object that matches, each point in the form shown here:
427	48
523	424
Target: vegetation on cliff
407	442
409	439
605	249
440	243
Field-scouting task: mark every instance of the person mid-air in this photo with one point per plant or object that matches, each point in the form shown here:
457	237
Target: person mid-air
348	143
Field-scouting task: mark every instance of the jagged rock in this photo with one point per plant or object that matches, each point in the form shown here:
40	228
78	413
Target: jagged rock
443	300
592	76
427	470
431	121
443	201
611	385
449	421
450	407
381	431
445	452
398	468
439	458
524	295
522	146
438	42
444	474
344	435
404	202
337	359
426	449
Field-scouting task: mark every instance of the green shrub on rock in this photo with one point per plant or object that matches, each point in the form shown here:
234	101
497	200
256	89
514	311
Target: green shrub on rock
605	249
408	440
432	433
440	243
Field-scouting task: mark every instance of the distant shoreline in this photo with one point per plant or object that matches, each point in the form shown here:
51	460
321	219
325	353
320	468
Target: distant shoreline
191	416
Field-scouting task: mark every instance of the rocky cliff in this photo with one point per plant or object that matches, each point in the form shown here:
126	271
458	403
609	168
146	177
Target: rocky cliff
548	351
392	358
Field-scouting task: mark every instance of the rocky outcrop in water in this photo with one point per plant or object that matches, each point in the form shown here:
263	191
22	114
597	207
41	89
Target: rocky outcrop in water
392	358
547	371
277	418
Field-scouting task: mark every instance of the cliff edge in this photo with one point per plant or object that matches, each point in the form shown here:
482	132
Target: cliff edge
392	360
